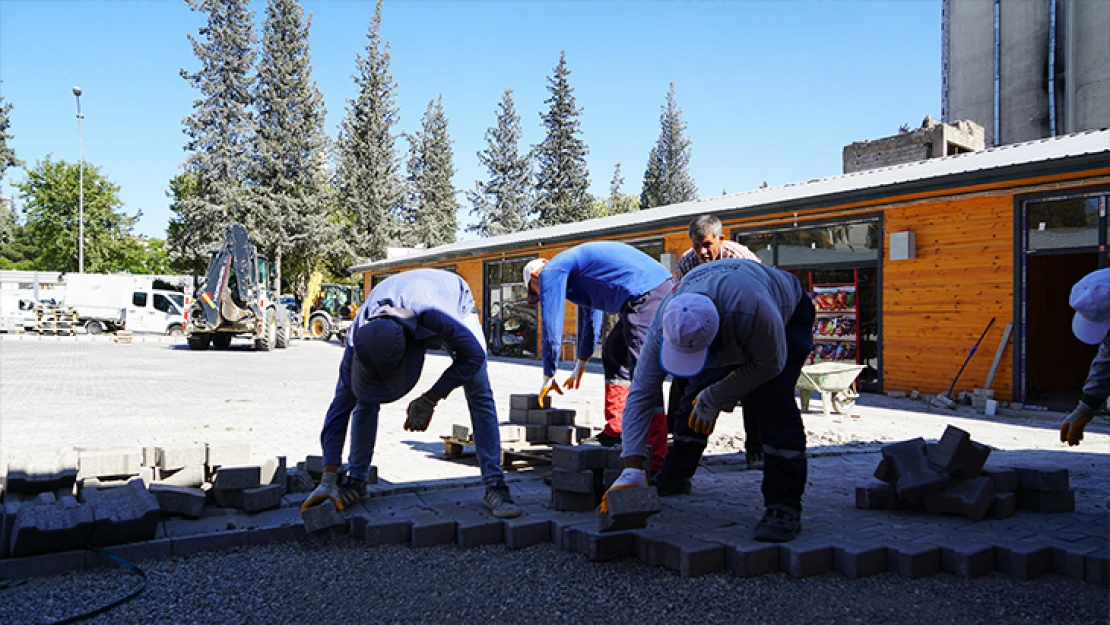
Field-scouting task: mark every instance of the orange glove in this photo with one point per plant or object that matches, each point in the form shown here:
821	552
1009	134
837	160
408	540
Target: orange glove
703	418
1071	430
575	379
629	478
549	384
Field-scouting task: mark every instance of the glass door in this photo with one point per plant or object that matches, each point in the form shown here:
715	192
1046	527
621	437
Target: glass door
508	320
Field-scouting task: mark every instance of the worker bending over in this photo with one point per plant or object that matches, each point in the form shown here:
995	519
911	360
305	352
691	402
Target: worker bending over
602	277
740	331
1090	297
384	355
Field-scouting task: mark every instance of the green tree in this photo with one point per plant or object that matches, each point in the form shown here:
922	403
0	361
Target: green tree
186	247
667	178
145	256
367	175
562	179
617	202
50	197
430	213
502	204
7	160
219	130
19	253
289	172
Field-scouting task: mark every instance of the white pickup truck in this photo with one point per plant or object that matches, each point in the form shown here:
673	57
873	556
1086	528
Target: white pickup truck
107	302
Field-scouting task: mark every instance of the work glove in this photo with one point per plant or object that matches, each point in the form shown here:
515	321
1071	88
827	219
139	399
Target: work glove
549	384
575	379
629	478
420	412
703	418
328	489
1071	430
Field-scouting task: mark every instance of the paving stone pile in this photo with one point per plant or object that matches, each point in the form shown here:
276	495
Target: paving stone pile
536	423
952	477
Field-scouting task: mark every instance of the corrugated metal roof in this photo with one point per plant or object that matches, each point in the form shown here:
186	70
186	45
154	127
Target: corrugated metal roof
990	160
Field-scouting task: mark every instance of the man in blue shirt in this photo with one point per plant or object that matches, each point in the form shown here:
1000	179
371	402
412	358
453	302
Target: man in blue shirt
602	277
402	317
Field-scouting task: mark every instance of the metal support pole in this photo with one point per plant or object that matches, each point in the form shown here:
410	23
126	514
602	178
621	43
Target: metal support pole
81	185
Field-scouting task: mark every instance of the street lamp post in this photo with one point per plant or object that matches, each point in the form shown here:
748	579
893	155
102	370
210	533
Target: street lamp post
81	186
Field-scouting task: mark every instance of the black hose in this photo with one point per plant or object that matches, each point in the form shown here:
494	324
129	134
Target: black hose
134	593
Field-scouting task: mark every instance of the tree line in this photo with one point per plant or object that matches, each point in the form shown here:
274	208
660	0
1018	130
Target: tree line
257	153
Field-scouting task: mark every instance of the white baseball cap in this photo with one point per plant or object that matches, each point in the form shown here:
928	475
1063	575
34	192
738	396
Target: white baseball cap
1090	297
533	267
690	323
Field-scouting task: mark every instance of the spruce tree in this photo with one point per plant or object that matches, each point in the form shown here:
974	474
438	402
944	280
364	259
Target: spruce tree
367	179
289	171
220	128
429	215
7	160
562	179
501	204
667	178
618	202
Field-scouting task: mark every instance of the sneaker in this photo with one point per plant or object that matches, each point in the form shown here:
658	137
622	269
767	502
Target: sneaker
500	501
668	486
352	491
603	439
779	524
754	460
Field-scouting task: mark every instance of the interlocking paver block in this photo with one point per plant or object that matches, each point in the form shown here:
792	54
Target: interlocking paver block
885	472
958	454
387	531
912	560
567	501
108	463
916	476
971	498
180	455
550	416
1071	561
1005	478
228	455
579	457
179	499
690	556
314	466
237	478
32	473
597	546
321	517
527	530
629	508
1003	506
613	458
967	560
1048	502
261	498
274	472
804	558
429	530
189	477
518	416
749	558
534	433
878	496
122	515
567	434
1043	478
1098	567
853	560
573	481
608	476
1023	560
527	401
460	432
60	526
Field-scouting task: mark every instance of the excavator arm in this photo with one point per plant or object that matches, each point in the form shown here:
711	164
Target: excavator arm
236	251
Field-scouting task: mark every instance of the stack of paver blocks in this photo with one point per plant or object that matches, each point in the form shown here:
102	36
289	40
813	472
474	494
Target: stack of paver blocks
581	474
952	477
531	422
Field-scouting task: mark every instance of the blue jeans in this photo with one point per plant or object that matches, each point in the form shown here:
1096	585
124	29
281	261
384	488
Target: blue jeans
483	421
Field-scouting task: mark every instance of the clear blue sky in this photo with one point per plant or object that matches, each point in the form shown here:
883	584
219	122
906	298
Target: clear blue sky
771	91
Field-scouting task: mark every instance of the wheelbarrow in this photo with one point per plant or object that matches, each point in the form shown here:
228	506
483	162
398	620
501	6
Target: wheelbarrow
835	381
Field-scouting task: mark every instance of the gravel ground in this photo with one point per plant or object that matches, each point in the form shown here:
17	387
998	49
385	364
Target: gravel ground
344	581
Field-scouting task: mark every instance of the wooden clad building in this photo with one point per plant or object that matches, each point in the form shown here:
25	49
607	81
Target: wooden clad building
909	263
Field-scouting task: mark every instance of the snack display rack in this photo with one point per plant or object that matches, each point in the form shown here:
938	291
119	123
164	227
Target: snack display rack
836	331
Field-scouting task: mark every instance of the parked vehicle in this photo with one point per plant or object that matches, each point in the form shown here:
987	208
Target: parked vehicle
111	302
330	308
238	297
17	312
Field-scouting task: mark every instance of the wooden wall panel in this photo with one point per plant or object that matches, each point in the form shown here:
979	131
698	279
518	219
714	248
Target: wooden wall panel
471	271
935	306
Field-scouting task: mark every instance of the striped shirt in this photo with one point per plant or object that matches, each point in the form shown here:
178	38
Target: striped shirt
729	249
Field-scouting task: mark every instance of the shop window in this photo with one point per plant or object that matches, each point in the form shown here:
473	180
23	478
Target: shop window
1062	224
762	245
377	279
829	244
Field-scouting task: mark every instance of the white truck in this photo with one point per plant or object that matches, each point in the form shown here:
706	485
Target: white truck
110	302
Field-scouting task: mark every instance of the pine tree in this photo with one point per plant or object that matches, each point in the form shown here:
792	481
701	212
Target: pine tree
7	160
219	130
502	204
618	202
667	178
289	171
562	179
367	179
430	212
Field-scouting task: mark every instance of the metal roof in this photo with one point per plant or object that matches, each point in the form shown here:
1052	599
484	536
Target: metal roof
998	162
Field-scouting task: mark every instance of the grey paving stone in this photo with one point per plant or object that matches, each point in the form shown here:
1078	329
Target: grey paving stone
1071	561
272	534
573	481
1045	501
261	498
877	496
1044	478
855	560
32	473
567	434
748	558
43	565
550	416
1005	478
690	556
158	549
884	472
567	501
314	466
957	454
228	455
108	463
190	477
579	457
321	517
912	560
967	560
180	528
645	544
179	500
1098	567
274	471
597	546
526	530
971	498
238	477
805	558
629	508
1023	560
1003	506
613	459
528	401
217	541
387	531
460	432
518	416
61	526
608	476
122	515
429	530
916	476
180	455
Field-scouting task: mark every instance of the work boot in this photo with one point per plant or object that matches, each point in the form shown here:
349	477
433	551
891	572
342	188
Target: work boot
668	486
352	491
500	501
603	439
780	524
754	460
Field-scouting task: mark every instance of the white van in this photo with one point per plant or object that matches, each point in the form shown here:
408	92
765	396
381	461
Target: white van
157	311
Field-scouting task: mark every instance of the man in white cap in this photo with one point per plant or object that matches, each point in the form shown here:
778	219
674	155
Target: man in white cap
402	317
741	332
602	277
1090	297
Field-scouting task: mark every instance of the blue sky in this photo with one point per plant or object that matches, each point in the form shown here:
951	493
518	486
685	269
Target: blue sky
771	91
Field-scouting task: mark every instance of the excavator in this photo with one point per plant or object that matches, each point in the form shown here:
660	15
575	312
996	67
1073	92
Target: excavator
237	298
328	309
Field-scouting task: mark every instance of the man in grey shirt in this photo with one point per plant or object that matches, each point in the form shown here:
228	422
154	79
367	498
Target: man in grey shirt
1090	297
740	332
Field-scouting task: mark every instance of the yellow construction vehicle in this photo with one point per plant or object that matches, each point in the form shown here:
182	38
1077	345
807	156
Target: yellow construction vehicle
329	308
